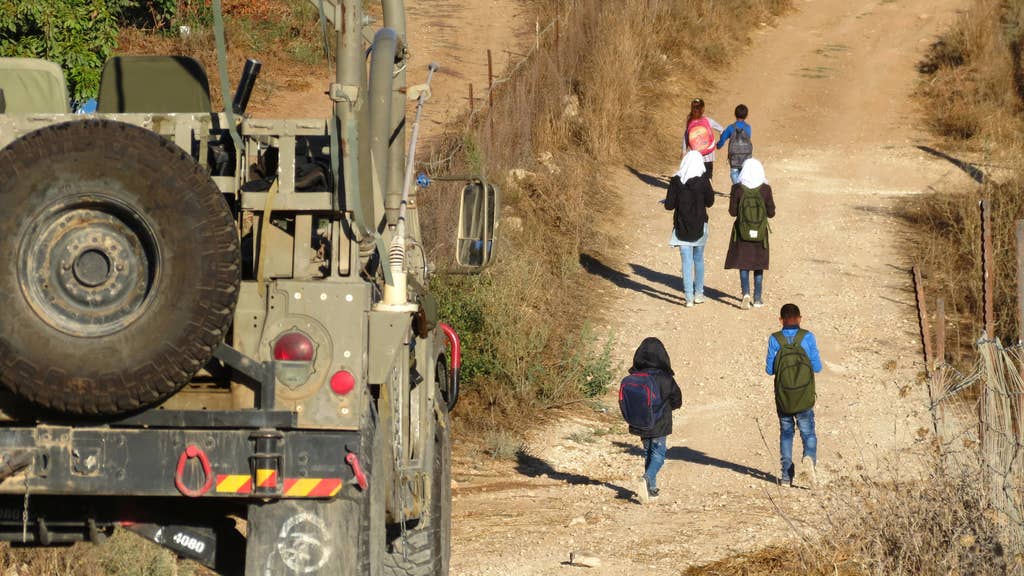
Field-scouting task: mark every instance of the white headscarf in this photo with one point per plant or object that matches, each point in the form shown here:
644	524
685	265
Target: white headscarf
752	173
691	166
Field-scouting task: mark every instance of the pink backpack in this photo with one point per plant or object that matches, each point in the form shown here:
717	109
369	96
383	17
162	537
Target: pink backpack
700	137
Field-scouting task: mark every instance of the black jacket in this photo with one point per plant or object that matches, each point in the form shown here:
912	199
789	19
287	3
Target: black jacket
652	356
691	201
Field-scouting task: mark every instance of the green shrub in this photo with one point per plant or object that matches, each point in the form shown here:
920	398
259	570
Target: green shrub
77	34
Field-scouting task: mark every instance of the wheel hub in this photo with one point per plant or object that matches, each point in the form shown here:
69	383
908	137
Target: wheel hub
88	267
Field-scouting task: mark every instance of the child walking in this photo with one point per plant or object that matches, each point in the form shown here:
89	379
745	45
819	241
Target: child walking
752	204
700	135
740	148
793	359
647	398
690	195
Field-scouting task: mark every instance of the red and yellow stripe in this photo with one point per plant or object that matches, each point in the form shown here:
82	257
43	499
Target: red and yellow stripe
293	487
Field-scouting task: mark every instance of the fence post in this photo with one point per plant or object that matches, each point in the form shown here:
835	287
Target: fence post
471	99
922	319
490	80
988	274
1016	398
940	360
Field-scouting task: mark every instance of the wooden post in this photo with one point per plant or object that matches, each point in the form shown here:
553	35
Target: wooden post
490	80
940	332
558	35
922	319
470	98
1017	395
1020	281
988	273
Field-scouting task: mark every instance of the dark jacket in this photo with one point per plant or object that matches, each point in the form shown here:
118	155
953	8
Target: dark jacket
652	357
691	201
744	255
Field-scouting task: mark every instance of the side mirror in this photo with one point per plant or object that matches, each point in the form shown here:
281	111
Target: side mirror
478	221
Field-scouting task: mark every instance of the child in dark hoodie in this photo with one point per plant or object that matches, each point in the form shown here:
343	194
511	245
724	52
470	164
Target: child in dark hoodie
651	357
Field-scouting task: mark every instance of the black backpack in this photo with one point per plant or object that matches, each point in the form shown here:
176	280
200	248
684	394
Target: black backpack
740	147
794	375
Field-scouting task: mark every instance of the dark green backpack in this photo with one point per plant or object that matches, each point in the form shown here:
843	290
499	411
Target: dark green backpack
752	217
794	376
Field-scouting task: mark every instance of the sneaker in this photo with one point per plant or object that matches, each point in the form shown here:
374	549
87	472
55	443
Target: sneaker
758	304
641	490
786	482
652	493
689	303
746	302
699	299
808	464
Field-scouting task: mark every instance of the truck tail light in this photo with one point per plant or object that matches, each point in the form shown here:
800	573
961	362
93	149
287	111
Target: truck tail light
294	347
294	353
342	382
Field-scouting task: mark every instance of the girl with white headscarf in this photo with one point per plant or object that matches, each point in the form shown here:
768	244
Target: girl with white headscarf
690	196
748	250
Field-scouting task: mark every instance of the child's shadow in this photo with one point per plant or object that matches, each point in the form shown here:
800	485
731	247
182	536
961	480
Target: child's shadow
687	454
534	467
675	282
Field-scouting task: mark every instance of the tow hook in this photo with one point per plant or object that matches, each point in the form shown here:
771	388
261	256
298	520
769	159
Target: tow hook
193	451
357	470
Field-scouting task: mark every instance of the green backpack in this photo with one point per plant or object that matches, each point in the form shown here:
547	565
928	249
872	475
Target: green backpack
752	220
794	376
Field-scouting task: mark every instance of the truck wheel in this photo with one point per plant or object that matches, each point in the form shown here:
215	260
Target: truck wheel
425	548
120	270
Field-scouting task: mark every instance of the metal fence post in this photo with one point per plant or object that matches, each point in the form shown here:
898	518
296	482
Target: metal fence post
922	319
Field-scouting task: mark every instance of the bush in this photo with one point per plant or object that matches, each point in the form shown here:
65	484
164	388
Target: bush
77	34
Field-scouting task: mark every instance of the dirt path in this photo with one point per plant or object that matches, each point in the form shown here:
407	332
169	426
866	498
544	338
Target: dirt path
828	90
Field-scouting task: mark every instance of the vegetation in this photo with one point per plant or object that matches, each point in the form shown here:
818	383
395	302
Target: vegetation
971	94
590	97
77	34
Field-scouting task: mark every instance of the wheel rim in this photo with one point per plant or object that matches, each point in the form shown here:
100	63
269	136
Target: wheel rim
88	265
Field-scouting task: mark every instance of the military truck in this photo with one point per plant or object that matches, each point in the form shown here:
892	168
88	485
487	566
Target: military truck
215	329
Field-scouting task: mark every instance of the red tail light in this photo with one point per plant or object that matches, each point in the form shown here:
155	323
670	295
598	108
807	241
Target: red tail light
294	353
342	382
294	347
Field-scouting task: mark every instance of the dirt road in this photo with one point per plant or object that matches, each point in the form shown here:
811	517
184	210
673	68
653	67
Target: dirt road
828	89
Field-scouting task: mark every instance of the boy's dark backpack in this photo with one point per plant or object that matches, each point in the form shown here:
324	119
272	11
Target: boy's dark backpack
752	219
640	400
740	147
794	376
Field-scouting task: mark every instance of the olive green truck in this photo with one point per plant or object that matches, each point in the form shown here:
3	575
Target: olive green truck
215	329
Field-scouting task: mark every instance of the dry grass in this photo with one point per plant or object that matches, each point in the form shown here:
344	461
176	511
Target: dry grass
124	554
936	525
971	94
588	100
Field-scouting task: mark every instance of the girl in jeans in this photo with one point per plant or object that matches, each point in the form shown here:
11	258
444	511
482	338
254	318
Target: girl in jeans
743	255
690	195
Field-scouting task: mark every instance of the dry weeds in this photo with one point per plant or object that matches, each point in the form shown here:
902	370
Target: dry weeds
971	95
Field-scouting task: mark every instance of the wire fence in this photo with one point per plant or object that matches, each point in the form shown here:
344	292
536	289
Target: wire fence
979	420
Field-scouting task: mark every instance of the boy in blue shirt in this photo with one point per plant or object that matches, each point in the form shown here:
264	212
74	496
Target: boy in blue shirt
793	359
740	148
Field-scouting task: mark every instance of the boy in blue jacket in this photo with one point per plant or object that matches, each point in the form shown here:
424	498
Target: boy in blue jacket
793	359
740	148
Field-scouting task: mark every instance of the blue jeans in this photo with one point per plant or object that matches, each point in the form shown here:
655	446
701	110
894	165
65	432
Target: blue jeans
758	283
805	421
654	457
693	270
734	173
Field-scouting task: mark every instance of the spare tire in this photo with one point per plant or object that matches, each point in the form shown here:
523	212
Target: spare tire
120	267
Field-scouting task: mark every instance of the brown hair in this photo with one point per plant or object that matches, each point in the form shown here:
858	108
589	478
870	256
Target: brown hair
696	110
